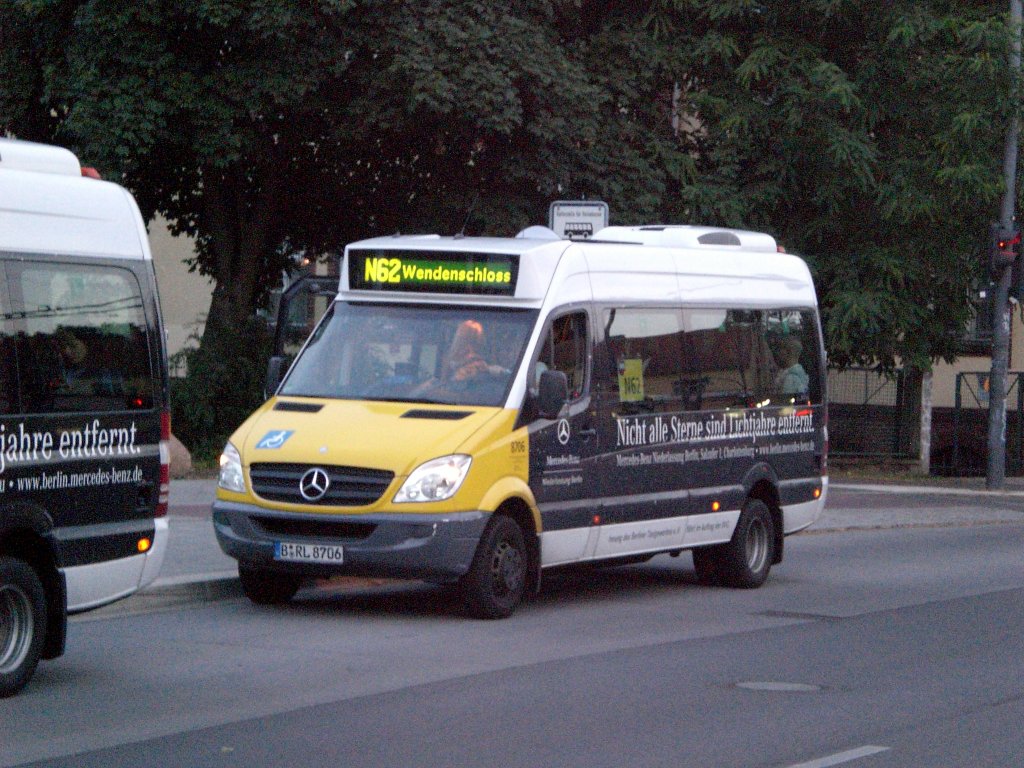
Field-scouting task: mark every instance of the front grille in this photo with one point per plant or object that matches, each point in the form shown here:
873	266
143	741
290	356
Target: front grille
349	486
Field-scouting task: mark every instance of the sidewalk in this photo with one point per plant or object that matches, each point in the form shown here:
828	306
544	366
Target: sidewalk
196	567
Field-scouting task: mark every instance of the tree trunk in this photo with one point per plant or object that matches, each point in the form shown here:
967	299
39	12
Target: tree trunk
926	423
908	412
241	213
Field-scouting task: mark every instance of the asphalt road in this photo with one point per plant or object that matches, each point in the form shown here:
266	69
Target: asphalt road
868	647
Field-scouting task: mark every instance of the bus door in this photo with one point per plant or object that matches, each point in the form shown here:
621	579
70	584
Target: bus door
563	450
299	309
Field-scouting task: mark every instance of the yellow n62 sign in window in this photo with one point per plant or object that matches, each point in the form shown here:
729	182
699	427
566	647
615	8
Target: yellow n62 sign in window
631	380
426	271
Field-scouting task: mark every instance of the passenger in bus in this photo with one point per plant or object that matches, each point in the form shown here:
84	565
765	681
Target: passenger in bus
791	379
80	373
72	351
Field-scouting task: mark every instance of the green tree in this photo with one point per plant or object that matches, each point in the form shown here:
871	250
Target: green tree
862	133
265	129
866	135
275	128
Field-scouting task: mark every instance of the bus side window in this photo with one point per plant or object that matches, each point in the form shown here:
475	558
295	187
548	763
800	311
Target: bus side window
564	349
84	346
725	358
645	367
792	336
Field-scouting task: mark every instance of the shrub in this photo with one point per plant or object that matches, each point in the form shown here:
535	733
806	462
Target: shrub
223	385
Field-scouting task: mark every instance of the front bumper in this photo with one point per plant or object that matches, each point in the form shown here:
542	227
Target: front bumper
436	548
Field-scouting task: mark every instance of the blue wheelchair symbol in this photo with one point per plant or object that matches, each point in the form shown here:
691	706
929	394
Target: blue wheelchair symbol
274	439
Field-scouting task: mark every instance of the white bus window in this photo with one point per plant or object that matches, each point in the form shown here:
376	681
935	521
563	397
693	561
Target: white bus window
792	335
725	365
644	351
454	355
84	345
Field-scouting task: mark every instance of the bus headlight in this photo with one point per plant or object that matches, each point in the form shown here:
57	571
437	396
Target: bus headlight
231	477
435	480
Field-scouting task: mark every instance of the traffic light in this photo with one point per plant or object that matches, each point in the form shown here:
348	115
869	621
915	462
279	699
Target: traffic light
1003	250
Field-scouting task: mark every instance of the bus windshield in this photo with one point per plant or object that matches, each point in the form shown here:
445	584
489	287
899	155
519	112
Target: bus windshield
457	355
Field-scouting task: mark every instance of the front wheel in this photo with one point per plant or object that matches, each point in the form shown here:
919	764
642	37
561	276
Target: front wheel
496	581
22	624
265	587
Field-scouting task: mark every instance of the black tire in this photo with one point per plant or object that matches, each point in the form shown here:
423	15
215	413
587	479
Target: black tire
496	581
265	587
22	624
746	560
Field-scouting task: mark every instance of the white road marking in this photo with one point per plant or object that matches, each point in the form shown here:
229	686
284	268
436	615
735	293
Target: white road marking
842	757
779	687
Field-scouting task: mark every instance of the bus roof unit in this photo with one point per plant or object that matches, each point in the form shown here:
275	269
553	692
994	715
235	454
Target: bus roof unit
689	236
84	216
41	158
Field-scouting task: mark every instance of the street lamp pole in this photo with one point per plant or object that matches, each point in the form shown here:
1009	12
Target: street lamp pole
996	468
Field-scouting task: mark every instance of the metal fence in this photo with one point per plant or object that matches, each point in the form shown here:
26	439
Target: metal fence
962	447
874	415
868	414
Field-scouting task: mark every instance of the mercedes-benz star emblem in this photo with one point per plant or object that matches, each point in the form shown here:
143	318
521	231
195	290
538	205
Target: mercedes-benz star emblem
563	431
314	484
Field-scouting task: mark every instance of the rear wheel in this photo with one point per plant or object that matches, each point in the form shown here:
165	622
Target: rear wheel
22	624
265	587
496	581
745	560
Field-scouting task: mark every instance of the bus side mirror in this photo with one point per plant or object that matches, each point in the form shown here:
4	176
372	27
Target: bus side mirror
275	370
553	392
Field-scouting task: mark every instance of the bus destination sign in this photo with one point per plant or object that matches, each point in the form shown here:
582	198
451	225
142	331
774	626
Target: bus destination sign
432	272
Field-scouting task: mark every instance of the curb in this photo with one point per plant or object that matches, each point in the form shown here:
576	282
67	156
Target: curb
922	490
169	593
222	585
219	581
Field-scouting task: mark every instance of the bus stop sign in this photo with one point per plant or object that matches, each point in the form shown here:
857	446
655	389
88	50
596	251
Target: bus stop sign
577	219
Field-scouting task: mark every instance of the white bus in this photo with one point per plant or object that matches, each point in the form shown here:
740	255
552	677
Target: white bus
478	410
84	421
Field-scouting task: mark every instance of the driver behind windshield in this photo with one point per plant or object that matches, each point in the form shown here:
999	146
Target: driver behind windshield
463	360
462	364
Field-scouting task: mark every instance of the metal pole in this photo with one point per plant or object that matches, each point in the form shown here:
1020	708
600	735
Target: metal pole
996	469
925	454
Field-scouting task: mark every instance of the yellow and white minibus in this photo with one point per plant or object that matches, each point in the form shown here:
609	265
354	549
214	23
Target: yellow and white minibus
478	410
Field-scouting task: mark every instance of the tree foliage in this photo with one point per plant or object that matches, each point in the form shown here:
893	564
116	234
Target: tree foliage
277	127
865	134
